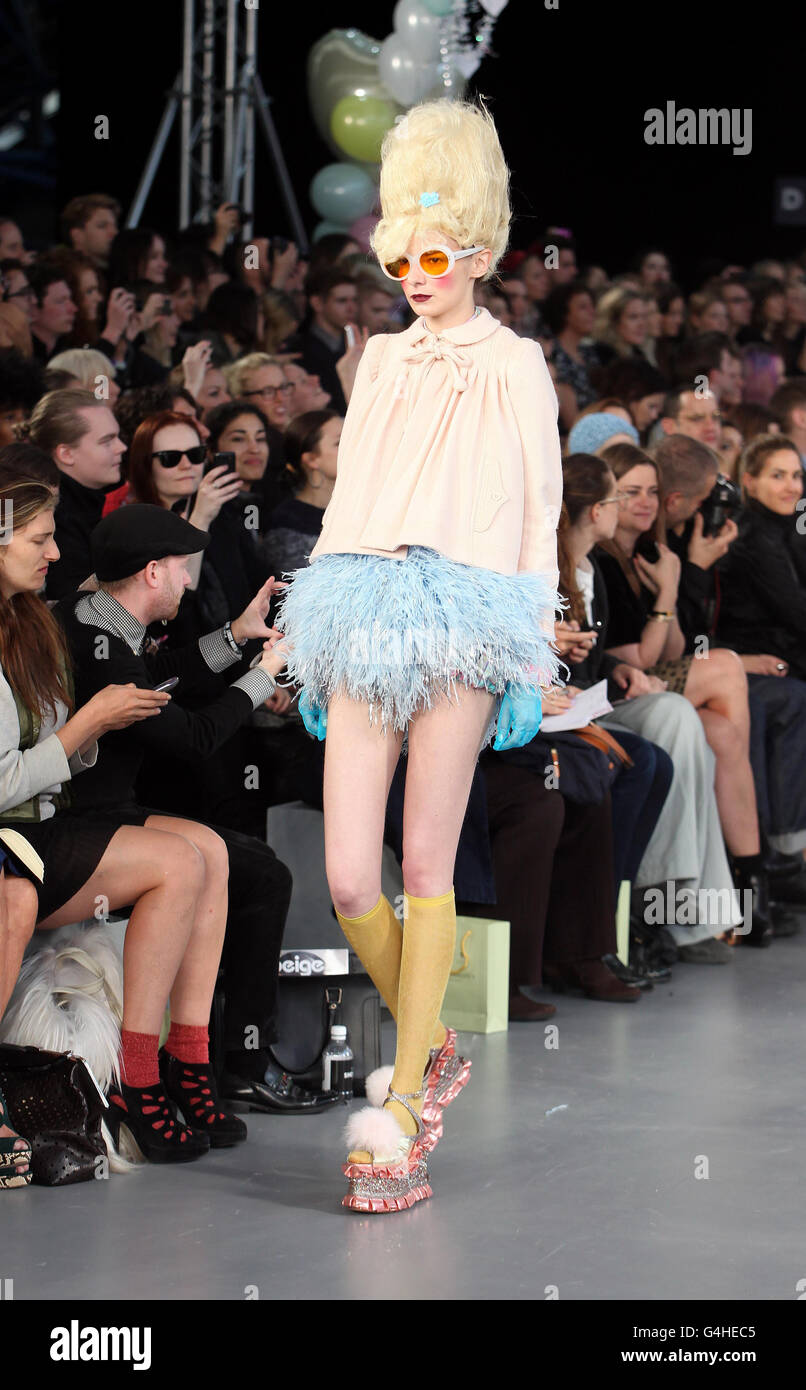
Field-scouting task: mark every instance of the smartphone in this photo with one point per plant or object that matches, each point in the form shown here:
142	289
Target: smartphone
170	684
167	307
349	333
223	460
647	548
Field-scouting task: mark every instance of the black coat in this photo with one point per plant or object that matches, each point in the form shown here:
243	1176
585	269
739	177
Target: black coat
78	512
762	605
174	733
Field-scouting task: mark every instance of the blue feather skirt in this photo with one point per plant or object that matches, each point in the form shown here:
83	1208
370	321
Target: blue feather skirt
399	634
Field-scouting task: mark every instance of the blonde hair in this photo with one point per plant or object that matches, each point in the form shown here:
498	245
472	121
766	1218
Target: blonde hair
609	309
237	372
450	148
85	364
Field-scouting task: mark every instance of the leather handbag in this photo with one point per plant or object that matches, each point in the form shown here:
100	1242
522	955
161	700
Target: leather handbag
303	1027
585	762
56	1104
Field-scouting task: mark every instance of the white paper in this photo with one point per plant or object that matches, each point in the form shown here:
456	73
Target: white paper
588	705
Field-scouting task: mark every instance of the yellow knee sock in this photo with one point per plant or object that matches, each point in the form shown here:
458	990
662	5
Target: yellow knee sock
429	940
377	939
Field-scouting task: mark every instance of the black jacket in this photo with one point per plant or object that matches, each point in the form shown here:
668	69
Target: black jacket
320	360
697	594
175	732
599	664
763	588
77	514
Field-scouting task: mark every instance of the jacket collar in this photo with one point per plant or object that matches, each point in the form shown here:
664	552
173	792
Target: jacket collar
480	326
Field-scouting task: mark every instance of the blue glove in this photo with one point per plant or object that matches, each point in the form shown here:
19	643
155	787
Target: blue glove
519	717
314	718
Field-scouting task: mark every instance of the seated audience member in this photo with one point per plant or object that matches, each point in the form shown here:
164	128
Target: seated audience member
640	386
199	375
307	391
233	321
322	345
515	291
311	453
711	356
174	874
330	250
691	411
597	431
793	329
15	287
154	349
620	324
730	447
136	590
22	460
707	313
261	379
686	846
768	293
242	427
137	253
569	313
762	577
166	469
672	308
134	406
738	301
558	251
81	277
688	473
82	436
762	373
788	408
90	225
653	269
21	385
89	370
645	631
753	420
53	312
179	286
12	247
376	297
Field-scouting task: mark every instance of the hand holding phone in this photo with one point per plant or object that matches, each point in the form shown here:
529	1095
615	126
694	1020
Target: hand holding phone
170	684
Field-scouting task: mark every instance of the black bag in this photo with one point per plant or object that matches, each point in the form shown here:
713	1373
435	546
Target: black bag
303	1026
54	1102
585	761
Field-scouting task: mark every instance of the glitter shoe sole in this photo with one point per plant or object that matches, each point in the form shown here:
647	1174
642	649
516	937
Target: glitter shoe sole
379	1188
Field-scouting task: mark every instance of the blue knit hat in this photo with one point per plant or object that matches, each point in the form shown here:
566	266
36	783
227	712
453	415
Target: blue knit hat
592	431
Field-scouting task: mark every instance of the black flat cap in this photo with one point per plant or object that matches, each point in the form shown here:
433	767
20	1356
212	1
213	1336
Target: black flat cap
130	538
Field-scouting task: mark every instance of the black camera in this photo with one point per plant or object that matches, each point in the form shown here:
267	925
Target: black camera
722	503
647	549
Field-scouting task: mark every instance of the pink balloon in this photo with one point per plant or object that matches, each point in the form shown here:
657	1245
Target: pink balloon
362	227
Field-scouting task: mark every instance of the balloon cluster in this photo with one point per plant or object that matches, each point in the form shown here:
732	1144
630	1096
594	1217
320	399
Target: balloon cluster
358	87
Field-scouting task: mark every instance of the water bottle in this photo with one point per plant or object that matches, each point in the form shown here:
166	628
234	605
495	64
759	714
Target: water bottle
337	1063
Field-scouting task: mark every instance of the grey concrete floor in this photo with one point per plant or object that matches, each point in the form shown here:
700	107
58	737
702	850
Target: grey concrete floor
599	1199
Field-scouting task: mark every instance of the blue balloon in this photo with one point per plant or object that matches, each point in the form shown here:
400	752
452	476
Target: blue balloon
341	193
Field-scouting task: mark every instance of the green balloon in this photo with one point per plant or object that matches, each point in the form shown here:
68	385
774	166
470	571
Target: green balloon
438	7
358	125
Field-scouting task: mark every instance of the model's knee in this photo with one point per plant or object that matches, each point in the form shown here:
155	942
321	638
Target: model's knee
354	898
214	855
184	866
425	874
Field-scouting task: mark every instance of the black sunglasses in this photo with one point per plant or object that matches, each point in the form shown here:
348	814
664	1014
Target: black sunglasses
170	458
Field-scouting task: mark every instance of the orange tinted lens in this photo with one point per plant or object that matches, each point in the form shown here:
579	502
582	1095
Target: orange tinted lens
434	262
398	269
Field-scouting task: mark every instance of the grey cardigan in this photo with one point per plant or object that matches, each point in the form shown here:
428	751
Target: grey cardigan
38	771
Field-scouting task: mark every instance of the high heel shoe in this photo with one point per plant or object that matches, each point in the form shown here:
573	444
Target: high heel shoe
191	1087
397	1174
144	1126
445	1075
15	1163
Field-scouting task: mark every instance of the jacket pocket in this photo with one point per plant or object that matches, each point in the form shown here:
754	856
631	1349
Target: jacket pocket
491	494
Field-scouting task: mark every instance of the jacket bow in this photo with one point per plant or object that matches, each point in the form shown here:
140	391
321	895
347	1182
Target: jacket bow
460	365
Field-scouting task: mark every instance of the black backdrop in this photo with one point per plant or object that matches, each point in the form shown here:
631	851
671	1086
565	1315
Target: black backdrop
568	88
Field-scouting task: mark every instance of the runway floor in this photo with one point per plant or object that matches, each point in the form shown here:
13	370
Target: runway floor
570	1172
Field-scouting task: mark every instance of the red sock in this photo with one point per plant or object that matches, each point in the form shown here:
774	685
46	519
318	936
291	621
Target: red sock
138	1058
188	1043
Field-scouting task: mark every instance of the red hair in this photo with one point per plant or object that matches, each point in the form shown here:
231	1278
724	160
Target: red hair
141	452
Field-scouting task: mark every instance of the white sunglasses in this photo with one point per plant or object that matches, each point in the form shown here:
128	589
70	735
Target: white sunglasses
437	261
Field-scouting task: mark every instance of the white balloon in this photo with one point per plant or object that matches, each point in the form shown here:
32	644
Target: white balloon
418	28
403	77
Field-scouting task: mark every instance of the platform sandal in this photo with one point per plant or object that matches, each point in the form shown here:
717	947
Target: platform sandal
397	1175
445	1076
144	1127
15	1163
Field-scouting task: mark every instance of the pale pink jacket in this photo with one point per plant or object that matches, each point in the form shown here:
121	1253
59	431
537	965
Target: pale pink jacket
450	441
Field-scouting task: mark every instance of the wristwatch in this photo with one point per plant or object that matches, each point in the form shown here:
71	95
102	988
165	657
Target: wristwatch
236	647
662	616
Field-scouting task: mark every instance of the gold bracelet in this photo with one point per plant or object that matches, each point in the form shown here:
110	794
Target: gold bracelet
662	617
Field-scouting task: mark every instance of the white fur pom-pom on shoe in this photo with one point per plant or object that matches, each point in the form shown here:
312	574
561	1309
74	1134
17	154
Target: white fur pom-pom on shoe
377	1085
376	1131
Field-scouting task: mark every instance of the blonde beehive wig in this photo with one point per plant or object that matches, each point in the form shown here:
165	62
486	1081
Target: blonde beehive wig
450	148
